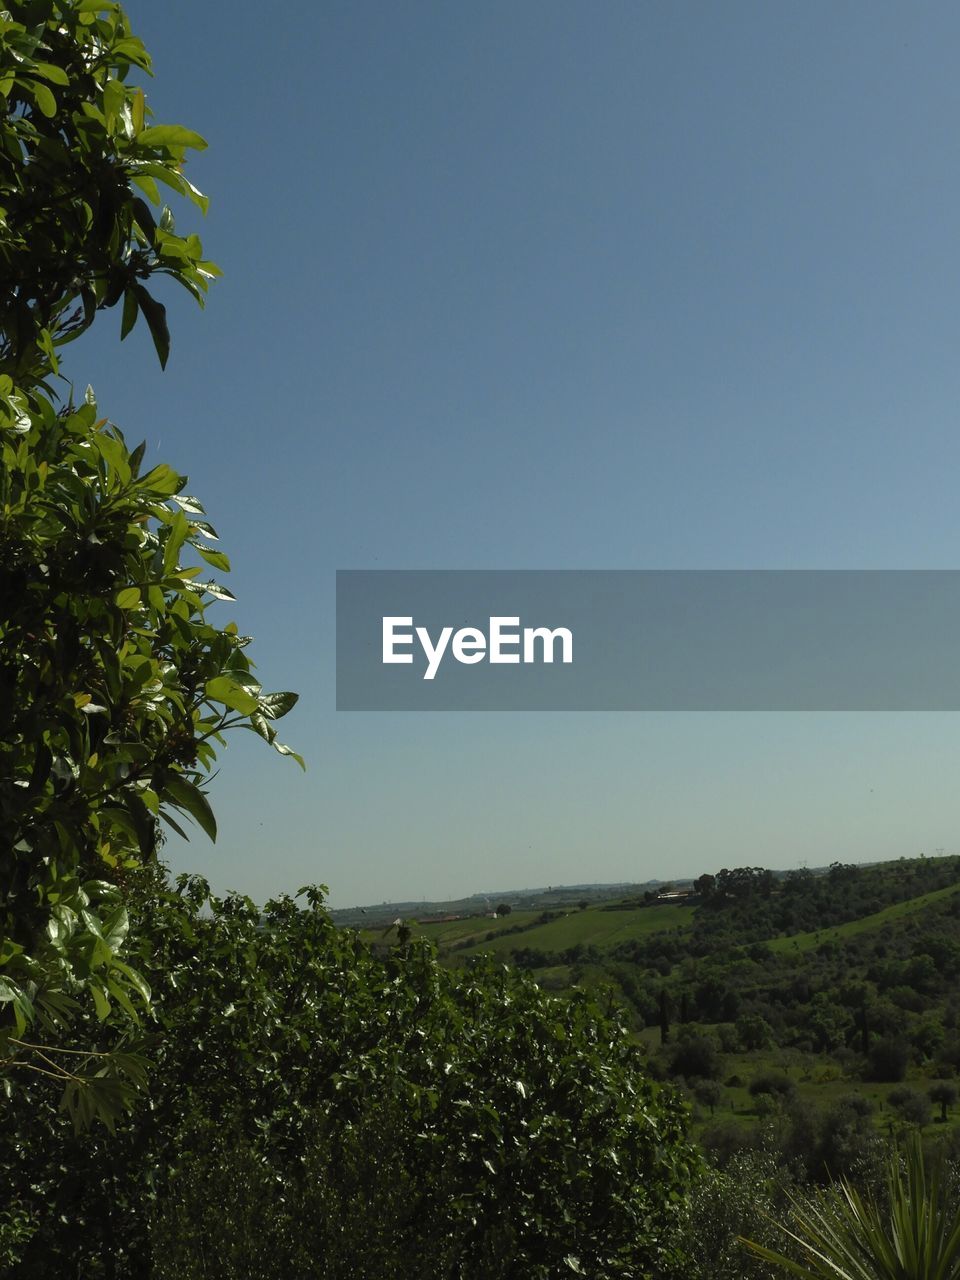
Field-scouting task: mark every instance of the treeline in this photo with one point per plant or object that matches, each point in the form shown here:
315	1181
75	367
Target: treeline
751	903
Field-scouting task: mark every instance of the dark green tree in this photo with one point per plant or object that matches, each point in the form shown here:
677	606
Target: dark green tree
115	687
944	1094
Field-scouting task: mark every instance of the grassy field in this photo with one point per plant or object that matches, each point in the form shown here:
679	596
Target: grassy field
591	927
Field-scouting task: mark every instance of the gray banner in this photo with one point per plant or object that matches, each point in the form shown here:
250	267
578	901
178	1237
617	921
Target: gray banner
648	640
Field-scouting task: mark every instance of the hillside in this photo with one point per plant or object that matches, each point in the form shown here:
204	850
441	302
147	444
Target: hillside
762	995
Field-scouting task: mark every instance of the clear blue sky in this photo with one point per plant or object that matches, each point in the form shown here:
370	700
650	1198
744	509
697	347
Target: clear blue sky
554	285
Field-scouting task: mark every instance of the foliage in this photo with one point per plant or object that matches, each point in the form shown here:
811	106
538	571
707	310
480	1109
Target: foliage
874	992
750	1193
517	1127
78	154
843	1235
115	687
910	1105
944	1093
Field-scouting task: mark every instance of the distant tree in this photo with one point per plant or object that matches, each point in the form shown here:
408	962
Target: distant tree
944	1094
887	1060
664	1015
910	1105
696	1057
709	1094
754	1032
773	1084
705	886
504	909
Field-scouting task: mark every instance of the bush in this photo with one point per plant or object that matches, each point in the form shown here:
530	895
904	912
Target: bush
298	1071
749	1195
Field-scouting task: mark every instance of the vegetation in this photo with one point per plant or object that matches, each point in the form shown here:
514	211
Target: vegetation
913	1235
823	1033
115	686
465	1122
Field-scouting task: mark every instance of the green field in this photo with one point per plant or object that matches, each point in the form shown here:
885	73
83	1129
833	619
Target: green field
591	927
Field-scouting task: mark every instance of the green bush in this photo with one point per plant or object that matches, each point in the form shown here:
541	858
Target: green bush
299	1070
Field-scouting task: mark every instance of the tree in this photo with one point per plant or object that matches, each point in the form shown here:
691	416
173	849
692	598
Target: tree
705	886
115	687
888	1059
944	1094
754	1032
709	1094
503	909
695	1057
79	154
910	1105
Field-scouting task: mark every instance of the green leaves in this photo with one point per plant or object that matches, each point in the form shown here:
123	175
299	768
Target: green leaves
171	135
117	687
188	797
276	705
106	1093
232	694
119	691
155	314
45	100
84	143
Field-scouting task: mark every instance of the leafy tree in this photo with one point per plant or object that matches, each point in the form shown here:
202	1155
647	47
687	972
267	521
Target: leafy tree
910	1105
696	1056
78	154
944	1094
709	1093
115	686
748	1195
772	1084
754	1031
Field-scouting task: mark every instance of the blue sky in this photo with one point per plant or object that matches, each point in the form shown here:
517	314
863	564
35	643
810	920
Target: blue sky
554	285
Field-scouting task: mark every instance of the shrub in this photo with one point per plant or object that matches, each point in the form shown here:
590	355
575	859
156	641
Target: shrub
517	1126
839	1234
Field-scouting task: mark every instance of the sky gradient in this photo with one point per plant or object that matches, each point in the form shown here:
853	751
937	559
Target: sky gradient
558	285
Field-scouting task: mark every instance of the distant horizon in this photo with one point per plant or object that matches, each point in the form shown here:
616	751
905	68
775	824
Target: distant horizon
821	868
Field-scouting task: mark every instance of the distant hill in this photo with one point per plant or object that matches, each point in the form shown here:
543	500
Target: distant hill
752	989
552	897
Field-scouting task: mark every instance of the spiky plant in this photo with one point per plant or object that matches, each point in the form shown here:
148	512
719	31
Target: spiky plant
843	1236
